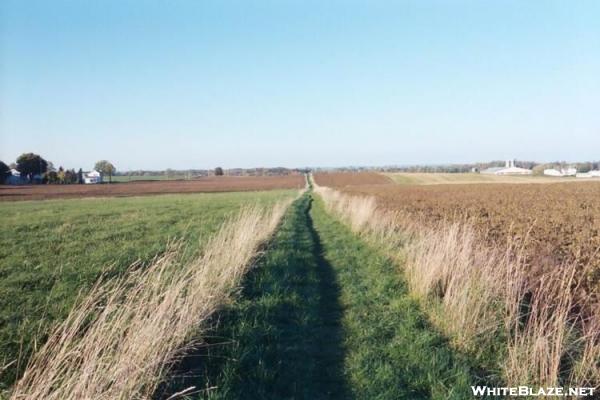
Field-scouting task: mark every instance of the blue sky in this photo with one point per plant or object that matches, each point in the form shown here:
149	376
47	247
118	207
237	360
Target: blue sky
196	84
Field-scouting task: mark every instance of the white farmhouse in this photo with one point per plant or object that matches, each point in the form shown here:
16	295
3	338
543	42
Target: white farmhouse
508	169
92	177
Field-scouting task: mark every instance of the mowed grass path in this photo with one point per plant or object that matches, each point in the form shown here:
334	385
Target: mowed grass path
52	250
324	316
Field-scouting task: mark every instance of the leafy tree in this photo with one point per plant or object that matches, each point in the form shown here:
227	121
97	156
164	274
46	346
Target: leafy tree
30	164
80	176
70	176
61	175
106	168
218	171
51	177
584	167
4	172
539	169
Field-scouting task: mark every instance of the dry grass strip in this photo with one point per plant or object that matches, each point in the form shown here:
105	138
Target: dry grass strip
123	337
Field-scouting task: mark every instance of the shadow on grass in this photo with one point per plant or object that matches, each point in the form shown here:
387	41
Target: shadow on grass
283	338
392	350
324	316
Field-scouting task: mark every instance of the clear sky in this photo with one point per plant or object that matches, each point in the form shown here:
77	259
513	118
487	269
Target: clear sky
196	84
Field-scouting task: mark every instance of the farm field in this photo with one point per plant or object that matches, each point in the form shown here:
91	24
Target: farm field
417	178
327	311
558	222
324	316
291	200
341	179
509	272
206	184
54	249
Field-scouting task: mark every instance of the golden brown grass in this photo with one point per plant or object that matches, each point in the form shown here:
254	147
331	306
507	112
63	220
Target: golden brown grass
123	337
342	179
539	331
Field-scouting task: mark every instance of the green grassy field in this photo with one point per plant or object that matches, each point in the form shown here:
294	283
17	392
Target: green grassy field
418	178
52	250
324	316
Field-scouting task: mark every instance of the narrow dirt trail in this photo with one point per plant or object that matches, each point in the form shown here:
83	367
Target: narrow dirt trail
324	316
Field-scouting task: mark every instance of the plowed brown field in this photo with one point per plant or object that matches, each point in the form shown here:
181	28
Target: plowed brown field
208	184
558	222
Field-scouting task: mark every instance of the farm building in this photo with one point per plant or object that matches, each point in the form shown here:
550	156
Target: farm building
92	177
560	172
508	169
15	178
590	174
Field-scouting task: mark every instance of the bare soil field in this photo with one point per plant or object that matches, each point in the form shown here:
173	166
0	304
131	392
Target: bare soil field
342	179
208	184
557	222
509	272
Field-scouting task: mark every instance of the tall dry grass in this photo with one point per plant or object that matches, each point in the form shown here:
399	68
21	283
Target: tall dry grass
480	295
124	336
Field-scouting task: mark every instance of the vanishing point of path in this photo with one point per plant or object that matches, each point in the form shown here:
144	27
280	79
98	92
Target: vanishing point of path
325	316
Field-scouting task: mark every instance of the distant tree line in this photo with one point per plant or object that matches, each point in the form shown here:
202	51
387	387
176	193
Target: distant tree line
167	172
218	171
33	168
457	168
581	166
537	167
63	176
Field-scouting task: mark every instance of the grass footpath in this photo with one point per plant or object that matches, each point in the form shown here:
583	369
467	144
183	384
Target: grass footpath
323	315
